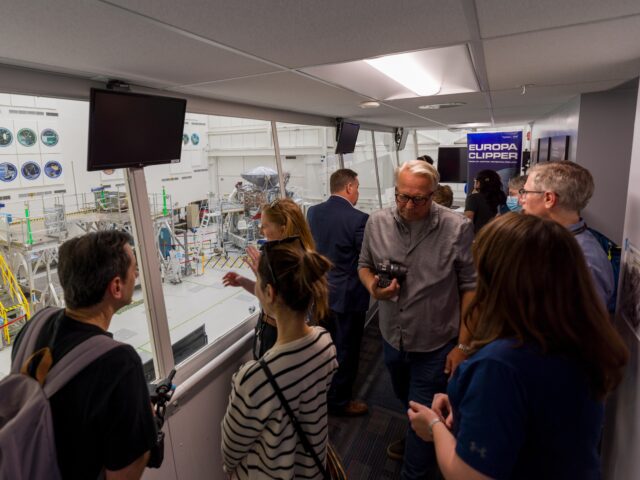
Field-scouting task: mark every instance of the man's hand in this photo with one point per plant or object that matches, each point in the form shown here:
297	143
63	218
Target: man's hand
384	293
455	358
442	407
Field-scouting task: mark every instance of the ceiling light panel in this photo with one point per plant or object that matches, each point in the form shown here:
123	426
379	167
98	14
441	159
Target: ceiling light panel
439	71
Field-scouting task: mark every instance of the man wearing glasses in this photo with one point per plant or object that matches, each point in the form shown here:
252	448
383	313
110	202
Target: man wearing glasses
420	311
559	191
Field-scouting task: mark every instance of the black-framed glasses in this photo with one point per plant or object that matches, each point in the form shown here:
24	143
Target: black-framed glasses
266	246
418	200
522	191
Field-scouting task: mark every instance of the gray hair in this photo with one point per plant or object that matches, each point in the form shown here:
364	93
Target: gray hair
571	182
421	168
516	183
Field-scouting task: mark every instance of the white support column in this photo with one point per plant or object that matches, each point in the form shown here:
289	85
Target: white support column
149	265
375	163
341	160
276	147
415	144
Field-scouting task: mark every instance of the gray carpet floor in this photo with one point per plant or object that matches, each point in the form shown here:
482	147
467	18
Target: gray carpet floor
362	441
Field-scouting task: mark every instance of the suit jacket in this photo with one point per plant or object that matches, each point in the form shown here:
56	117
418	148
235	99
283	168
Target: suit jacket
338	229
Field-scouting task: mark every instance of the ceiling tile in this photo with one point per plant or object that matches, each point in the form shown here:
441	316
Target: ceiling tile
102	40
497	17
567	56
288	91
298	34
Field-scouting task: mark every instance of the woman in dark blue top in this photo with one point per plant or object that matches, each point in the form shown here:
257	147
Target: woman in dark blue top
528	403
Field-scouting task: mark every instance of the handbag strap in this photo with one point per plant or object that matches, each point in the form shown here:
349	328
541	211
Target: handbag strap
294	420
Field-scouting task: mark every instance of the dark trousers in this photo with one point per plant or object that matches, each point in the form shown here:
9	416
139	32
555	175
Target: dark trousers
346	331
417	376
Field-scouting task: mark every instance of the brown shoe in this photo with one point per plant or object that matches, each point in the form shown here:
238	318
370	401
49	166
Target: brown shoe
354	408
395	450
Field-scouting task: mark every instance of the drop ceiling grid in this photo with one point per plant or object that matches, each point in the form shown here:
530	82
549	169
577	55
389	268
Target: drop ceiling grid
593	52
497	17
300	34
285	90
99	39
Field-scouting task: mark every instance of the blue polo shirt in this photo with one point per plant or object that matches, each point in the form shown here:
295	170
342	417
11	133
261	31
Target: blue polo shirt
519	414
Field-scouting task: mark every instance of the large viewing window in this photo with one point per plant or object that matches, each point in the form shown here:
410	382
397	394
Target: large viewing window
204	211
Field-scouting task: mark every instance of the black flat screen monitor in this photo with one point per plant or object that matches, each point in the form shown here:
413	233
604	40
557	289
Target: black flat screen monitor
133	129
347	136
452	164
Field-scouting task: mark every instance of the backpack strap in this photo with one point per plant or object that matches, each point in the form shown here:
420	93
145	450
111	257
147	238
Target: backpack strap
76	360
30	337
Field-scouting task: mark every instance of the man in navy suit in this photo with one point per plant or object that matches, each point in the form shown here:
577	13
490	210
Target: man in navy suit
338	229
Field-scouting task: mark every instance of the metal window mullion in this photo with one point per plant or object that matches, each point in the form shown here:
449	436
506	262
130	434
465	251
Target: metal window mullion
375	164
149	265
276	148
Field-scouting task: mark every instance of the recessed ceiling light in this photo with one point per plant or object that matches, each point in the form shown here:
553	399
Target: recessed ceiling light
438	106
370	104
408	72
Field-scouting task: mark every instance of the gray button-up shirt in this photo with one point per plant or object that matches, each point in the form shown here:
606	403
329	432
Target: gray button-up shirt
440	266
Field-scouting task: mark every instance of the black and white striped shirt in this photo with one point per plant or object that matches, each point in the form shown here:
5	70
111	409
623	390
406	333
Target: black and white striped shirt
258	439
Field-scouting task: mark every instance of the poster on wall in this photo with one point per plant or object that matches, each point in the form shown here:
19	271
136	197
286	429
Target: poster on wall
7	138
9	174
26	133
559	148
499	151
51	140
629	299
30	171
53	169
111	174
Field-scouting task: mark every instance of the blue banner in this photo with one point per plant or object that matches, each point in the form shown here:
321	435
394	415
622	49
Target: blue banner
499	151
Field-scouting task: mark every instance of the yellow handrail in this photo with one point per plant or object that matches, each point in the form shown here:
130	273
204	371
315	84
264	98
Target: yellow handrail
10	283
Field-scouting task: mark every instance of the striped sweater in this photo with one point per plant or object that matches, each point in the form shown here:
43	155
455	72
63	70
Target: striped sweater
258	439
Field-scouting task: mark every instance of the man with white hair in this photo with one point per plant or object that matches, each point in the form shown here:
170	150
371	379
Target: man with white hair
429	249
559	191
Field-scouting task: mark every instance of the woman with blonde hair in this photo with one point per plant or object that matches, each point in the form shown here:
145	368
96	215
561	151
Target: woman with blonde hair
529	401
276	422
280	219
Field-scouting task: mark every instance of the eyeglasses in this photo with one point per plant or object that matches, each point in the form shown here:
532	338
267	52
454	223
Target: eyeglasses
275	203
418	201
266	246
523	192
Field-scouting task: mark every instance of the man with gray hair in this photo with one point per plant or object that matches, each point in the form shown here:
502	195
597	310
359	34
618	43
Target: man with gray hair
559	191
416	261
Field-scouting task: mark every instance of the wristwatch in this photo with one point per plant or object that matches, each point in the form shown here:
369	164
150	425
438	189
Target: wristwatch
466	349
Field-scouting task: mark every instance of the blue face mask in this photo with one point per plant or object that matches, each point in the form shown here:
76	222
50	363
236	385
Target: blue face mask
512	203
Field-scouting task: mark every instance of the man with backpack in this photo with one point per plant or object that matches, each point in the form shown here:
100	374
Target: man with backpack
559	191
102	417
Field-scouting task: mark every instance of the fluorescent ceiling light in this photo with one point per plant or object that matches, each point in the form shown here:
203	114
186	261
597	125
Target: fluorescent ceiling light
405	70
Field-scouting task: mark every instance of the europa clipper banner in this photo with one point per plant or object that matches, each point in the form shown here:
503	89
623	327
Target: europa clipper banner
500	151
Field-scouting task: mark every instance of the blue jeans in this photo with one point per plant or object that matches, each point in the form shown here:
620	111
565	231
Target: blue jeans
417	376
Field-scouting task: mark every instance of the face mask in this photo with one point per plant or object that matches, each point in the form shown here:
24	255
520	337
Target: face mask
512	203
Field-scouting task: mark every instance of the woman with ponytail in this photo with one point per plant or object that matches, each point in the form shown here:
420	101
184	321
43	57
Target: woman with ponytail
280	219
259	439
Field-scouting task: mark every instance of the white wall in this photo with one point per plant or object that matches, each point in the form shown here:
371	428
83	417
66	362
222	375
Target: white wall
562	121
604	147
622	430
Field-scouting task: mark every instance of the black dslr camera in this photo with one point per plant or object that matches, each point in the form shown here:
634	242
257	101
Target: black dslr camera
389	270
160	394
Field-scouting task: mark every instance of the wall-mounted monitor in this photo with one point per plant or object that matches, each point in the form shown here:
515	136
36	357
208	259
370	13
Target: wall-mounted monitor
134	130
346	136
452	164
